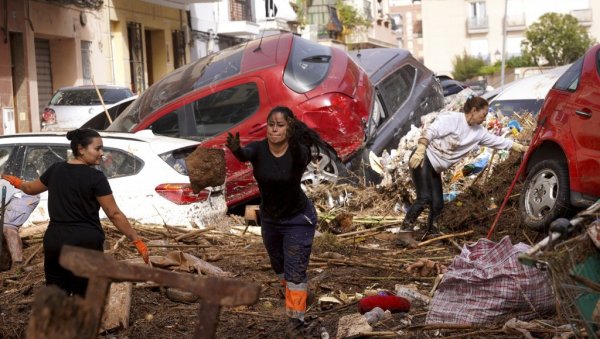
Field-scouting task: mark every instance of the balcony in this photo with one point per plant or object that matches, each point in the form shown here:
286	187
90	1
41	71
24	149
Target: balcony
372	37
516	22
584	16
477	24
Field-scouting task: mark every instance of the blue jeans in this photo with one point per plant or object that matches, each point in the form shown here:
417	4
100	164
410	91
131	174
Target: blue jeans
289	243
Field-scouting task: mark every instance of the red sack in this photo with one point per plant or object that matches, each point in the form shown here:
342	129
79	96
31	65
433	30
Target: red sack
385	302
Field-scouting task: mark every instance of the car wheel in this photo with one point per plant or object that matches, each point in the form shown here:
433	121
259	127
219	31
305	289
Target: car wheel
545	194
323	169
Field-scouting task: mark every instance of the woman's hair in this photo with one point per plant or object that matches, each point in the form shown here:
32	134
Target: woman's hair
474	102
81	136
298	133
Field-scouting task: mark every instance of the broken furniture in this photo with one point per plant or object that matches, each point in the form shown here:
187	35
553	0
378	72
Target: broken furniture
54	316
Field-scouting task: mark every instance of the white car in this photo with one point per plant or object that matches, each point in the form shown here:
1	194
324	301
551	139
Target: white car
71	107
146	172
524	95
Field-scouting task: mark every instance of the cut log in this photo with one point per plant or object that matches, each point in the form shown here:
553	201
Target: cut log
116	311
54	315
206	168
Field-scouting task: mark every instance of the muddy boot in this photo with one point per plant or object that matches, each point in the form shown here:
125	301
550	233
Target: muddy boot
406	239
294	329
13	241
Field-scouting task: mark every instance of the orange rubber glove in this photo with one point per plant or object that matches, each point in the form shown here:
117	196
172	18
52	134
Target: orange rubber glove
142	249
15	181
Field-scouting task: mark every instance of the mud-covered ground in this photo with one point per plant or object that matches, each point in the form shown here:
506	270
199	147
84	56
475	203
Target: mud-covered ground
368	261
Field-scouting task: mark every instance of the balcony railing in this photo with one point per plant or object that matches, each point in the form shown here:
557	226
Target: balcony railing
584	16
515	22
477	24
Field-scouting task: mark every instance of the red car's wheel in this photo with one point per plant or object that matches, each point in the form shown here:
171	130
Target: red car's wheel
546	194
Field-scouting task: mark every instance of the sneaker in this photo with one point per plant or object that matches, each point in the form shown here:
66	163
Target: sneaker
293	329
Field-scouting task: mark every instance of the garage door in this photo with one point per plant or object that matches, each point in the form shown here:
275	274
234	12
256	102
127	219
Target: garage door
44	73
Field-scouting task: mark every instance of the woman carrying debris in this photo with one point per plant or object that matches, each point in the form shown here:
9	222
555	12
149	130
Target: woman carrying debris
288	217
76	191
450	136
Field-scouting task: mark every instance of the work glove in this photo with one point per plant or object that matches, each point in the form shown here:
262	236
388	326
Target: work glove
233	143
416	160
15	181
518	147
142	249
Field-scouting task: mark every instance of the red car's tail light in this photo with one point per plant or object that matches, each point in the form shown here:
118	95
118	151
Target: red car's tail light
181	194
49	116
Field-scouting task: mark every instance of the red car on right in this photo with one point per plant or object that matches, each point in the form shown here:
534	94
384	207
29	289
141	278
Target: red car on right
563	164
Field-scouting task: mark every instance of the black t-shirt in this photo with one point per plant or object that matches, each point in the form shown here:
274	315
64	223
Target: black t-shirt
72	192
278	178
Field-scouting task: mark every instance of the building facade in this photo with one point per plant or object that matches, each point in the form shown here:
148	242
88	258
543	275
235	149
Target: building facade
408	23
47	45
224	23
452	27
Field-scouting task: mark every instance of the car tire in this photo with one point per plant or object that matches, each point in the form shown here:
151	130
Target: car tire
546	194
324	168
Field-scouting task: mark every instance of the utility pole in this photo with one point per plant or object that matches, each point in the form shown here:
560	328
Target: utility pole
503	44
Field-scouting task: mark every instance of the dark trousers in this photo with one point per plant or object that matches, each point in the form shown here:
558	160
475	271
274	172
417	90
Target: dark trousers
428	184
55	237
289	243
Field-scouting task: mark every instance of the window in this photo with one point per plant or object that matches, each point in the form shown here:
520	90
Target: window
117	163
477	9
86	61
377	117
220	111
39	157
570	79
308	65
4	155
210	115
396	88
89	96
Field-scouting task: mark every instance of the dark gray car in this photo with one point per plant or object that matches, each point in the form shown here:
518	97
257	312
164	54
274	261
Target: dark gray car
405	90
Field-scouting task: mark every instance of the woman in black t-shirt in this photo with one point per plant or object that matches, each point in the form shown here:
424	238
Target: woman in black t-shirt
76	191
288	217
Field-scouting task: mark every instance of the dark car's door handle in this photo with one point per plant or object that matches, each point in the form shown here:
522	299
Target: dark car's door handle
583	113
257	128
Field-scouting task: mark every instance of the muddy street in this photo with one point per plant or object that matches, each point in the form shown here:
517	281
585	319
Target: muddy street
353	257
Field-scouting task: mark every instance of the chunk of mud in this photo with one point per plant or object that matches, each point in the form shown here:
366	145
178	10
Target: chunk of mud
206	168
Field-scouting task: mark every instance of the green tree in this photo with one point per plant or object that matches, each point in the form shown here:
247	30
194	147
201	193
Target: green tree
466	66
349	16
557	38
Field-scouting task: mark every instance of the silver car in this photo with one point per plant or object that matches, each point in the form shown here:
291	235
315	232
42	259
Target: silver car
71	107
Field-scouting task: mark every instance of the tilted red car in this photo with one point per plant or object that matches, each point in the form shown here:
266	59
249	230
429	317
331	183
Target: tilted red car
563	168
233	91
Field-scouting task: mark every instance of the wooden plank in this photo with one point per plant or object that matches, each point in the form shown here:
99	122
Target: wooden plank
208	319
220	291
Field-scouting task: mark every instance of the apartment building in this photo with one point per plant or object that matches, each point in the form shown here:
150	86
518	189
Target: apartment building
452	27
48	45
408	22
219	24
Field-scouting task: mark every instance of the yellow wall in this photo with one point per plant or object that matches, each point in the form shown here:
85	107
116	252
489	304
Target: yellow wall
161	21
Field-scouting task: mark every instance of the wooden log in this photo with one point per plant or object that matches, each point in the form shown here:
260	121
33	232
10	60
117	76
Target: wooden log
54	315
116	312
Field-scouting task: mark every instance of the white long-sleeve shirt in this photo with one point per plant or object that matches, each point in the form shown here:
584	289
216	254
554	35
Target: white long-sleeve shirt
450	138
